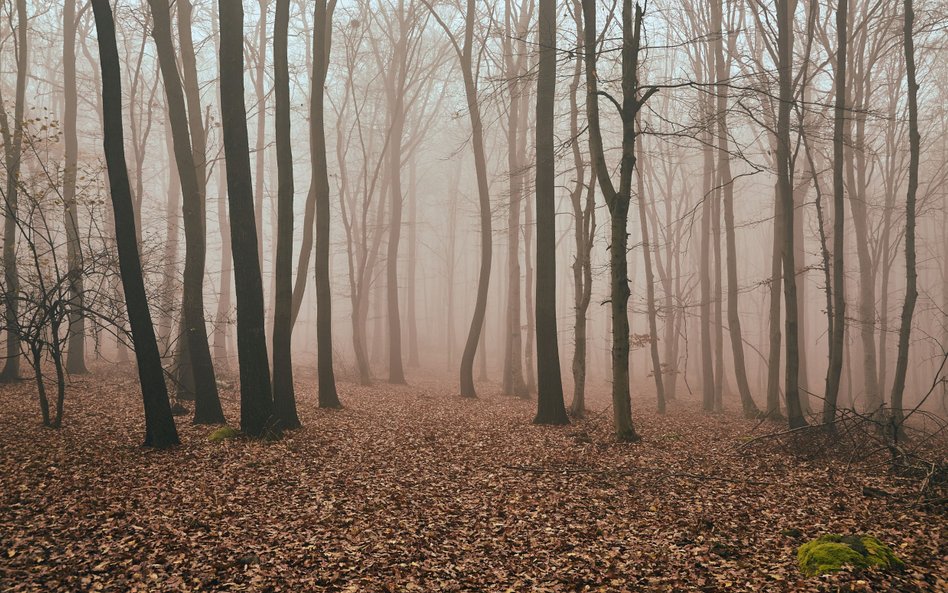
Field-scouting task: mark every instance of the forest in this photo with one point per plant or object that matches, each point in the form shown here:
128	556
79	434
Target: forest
474	295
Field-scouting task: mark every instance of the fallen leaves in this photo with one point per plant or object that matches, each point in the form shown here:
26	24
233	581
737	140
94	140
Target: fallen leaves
413	489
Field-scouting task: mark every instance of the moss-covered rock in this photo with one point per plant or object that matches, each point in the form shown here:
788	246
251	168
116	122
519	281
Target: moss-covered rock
830	553
223	433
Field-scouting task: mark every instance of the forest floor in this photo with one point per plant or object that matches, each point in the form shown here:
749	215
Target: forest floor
414	489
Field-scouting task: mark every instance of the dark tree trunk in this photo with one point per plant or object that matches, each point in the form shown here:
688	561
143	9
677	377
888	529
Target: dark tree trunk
256	401
322	43
207	406
76	356
160	431
785	198
748	407
284	399
550	406
911	275
13	149
837	313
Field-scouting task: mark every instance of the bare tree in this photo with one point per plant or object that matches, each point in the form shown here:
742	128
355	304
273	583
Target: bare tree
256	400
160	431
284	399
550	406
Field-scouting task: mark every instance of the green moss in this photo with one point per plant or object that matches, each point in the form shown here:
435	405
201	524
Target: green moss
830	553
223	433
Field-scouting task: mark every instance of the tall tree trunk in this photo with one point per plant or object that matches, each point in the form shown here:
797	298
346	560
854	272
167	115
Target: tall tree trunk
207	406
652	310
584	220
707	354
13	152
837	316
785	198
550	406
529	346
413	358
160	431
75	359
911	275
256	400
748	407
284	398
260	152
322	43
396	370
222	321
617	199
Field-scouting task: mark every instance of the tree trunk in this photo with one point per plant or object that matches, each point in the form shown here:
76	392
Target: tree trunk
837	315
413	358
550	406
75	359
911	275
707	354
13	152
785	198
748	407
207	406
256	400
483	194
322	43
160	431
284	398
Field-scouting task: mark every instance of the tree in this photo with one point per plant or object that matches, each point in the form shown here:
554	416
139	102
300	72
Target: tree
256	401
76	355
284	398
911	274
584	221
785	201
207	405
748	406
465	53
13	152
160	431
550	406
618	199
322	43
836	312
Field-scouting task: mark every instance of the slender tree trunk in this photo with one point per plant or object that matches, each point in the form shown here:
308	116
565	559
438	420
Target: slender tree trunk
550	406
207	406
13	149
707	354
483	193
322	43
396	370
837	316
160	431
284	398
256	399
749	408
584	219
75	359
413	358
261	137
785	198
529	346
911	275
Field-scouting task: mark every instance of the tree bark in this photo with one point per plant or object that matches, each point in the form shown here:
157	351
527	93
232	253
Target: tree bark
911	274
284	398
160	431
785	199
322	43
13	152
550	406
207	406
837	315
75	358
256	400
748	407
